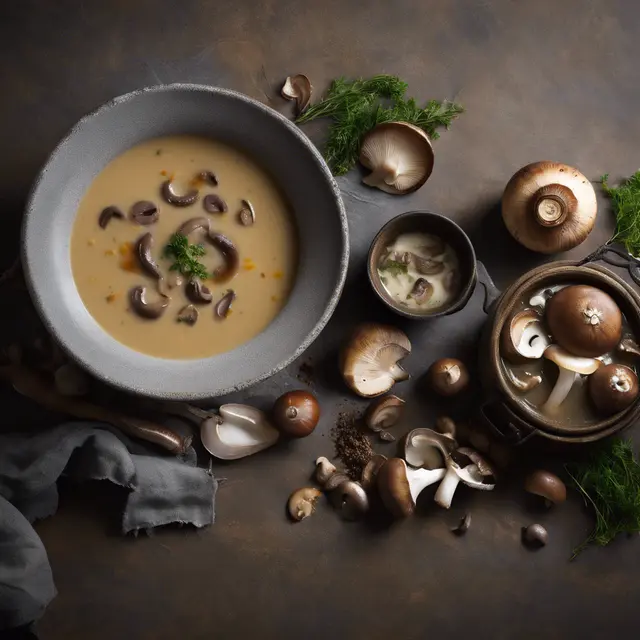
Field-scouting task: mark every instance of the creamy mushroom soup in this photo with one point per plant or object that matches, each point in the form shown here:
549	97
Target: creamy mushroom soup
183	247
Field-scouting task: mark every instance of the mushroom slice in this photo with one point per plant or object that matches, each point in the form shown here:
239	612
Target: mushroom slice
143	251
547	485
144	213
525	385
427	449
302	503
197	292
193	224
208	177
370	360
107	214
384	412
148	310
399	156
570	367
523	337
169	194
213	203
427	266
188	314
238	431
247	215
469	467
298	88
230	255
224	304
422	291
399	486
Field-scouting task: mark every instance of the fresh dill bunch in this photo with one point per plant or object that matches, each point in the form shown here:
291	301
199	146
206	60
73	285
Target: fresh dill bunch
357	106
609	481
626	206
185	256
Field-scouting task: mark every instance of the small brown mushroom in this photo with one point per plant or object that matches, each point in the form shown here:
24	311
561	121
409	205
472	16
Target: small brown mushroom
148	310
298	88
296	413
143	251
144	213
107	214
208	177
169	194
213	203
350	499
422	291
198	292
427	266
224	304
384	412
547	485
302	503
247	215
535	535
188	314
613	388
448	376
230	255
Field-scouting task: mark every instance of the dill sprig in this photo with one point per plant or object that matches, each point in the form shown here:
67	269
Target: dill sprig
394	267
356	106
626	206
609	481
185	256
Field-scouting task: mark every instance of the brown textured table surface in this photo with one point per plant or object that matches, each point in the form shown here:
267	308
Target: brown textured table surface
539	80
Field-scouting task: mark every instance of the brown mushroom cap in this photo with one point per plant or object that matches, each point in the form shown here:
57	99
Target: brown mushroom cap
549	207
523	337
584	320
547	485
448	376
613	388
394	490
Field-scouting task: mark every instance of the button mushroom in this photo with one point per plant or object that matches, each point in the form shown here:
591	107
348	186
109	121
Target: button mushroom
448	376
170	195
296	413
613	388
399	486
535	535
584	320
230	255
298	88
570	367
549	207
188	314
428	449
144	213
350	499
469	467
107	214
523	337
547	485
213	203
384	412
148	310
247	214
399	155
370	360
143	251
223	306
302	503
197	292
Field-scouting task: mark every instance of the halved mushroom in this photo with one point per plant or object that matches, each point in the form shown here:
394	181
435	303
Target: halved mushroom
208	177
399	156
428	449
298	88
107	214
144	213
613	388
570	367
213	203
469	467
302	503
148	310
188	314
198	292
370	360
427	266
230	255
399	486
526	384
247	215
143	251
422	291
169	194
193	224
224	304
523	337
384	412
238	431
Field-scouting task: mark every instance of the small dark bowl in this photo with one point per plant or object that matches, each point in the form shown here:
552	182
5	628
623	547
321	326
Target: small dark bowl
437	225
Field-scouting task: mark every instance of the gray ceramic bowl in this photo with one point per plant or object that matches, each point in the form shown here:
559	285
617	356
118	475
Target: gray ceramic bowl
267	136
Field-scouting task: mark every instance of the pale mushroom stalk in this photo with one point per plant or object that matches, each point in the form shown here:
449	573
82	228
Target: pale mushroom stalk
560	390
420	479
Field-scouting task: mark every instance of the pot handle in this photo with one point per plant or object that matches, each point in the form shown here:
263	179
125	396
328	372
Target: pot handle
620	258
505	424
491	292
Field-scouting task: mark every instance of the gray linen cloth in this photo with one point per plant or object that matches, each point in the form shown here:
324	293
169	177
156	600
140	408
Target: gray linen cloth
162	489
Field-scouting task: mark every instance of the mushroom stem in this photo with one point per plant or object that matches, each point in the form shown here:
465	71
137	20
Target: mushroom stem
448	486
384	174
398	373
420	479
561	390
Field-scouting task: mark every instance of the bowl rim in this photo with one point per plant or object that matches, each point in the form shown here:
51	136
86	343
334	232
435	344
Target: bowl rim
166	393
466	291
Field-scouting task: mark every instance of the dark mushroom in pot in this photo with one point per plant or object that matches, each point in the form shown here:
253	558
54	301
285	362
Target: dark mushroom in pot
107	214
143	251
422	291
224	304
613	388
144	213
148	310
198	292
169	195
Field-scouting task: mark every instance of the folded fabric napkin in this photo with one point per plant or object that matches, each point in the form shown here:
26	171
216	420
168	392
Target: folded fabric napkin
163	489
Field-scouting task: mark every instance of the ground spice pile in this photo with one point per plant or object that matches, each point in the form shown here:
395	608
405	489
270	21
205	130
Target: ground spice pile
352	447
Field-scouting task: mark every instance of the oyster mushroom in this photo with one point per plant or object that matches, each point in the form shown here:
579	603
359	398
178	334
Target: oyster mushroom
448	376
570	367
369	362
526	384
193	224
584	320
213	203
469	467
197	292
302	503
613	388
523	337
247	214
399	156
549	207
107	214
399	486
547	485
144	213
143	251
148	310
230	255
188	314
298	88
370	472
324	470
223	306
350	499
428	449
238	431
384	412
422	291
170	195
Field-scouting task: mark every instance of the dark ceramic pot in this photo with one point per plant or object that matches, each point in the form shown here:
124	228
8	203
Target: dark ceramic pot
504	411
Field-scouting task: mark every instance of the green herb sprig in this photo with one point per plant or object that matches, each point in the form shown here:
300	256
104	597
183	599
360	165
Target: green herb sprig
626	206
394	267
185	257
356	106
610	483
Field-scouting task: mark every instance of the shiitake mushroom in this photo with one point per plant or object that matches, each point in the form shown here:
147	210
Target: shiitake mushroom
448	376
296	413
613	388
